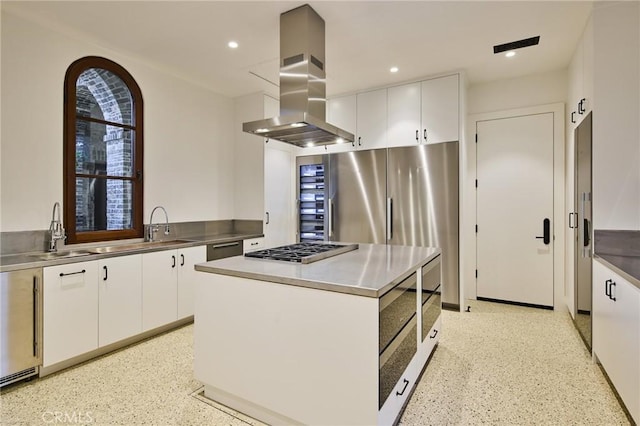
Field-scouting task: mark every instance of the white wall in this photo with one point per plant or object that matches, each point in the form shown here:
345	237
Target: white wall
188	149
535	89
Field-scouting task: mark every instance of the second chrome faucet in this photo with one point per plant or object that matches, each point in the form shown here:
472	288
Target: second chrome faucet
152	229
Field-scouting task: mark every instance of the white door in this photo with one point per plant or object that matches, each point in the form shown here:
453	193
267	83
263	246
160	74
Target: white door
278	180
514	197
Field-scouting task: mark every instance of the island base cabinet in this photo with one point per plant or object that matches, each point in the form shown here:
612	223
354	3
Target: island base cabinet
616	333
70	311
293	354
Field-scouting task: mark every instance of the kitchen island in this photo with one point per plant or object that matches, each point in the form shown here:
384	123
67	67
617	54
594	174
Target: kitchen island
338	341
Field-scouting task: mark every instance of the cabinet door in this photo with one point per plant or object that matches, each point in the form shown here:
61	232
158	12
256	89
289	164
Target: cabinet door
120	298
159	288
372	119
187	258
279	196
440	106
404	115
70	311
616	333
342	113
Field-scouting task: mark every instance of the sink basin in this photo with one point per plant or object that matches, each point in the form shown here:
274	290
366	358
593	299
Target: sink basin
61	254
136	246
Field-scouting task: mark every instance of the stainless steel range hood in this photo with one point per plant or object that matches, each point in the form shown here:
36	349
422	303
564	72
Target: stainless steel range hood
302	85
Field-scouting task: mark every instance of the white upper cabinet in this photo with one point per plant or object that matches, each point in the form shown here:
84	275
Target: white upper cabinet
440	107
404	115
424	112
342	113
581	78
371	119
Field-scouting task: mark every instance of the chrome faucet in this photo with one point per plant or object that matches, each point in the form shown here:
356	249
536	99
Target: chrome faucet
56	229
154	228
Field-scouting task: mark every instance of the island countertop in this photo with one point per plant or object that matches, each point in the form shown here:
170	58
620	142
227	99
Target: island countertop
371	270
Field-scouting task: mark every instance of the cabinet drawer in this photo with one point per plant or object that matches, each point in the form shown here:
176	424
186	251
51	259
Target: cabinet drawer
394	363
253	244
431	312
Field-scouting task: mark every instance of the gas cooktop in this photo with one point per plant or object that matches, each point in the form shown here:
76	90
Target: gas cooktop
302	252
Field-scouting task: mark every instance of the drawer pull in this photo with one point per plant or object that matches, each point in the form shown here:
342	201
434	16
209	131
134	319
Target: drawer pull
406	383
435	333
217	246
62	274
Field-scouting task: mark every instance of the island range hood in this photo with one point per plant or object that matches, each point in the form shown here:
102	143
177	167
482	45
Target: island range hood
302	85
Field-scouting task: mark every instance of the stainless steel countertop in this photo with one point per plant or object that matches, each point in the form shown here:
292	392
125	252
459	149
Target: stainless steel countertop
371	270
626	266
30	260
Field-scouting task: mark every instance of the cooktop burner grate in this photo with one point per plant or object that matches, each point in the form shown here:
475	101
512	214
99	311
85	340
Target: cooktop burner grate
302	252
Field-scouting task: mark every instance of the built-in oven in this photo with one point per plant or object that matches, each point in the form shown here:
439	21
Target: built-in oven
431	296
397	322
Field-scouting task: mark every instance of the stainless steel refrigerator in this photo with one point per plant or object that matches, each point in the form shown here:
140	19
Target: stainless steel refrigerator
401	196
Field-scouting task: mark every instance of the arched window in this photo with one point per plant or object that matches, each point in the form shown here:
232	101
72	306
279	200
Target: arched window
102	152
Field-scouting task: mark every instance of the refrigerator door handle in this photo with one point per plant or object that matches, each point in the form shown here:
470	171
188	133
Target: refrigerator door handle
330	205
389	218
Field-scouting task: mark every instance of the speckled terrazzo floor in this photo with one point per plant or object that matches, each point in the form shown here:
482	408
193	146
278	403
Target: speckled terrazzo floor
499	365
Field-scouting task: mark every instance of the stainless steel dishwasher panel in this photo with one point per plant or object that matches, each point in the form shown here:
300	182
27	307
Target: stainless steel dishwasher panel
222	250
20	324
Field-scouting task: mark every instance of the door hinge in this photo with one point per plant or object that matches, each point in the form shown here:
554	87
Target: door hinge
476	228
476	138
476	183
476	273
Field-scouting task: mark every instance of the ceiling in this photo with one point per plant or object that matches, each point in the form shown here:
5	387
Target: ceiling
363	39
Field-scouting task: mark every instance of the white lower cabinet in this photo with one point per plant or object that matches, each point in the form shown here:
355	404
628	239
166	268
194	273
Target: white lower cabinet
70	311
188	257
253	244
616	333
120	298
167	285
159	288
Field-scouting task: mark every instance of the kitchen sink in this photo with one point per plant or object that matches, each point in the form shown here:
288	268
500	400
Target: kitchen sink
61	254
136	246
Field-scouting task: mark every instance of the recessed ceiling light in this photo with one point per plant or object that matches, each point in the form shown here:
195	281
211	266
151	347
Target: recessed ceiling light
393	69
233	44
510	54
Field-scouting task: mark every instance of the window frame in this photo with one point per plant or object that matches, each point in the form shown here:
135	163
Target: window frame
69	157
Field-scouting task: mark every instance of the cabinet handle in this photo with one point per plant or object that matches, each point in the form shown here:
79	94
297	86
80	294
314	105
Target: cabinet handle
425	135
182	260
62	274
106	273
359	141
417	137
267	222
606	288
174	261
406	383
35	316
581	108
611	285
435	333
573	116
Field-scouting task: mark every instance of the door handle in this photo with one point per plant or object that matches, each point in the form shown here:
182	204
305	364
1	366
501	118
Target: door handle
389	218
546	228
587	232
330	224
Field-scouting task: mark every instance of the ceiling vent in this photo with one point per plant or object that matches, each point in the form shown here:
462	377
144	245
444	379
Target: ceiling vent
532	41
